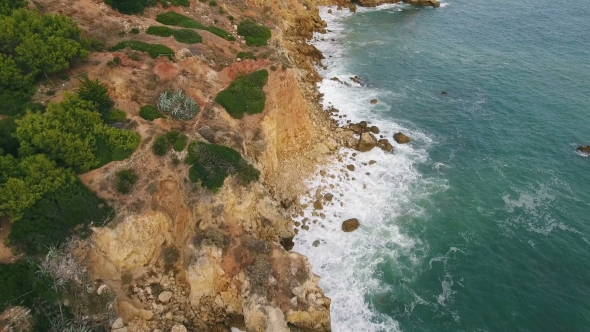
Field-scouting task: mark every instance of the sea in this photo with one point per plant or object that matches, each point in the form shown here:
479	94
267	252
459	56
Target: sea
482	221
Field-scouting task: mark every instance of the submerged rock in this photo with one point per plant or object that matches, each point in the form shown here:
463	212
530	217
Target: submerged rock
400	138
350	225
584	149
373	101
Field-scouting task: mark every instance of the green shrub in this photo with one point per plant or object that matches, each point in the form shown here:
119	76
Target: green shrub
134	31
178	104
212	3
184	3
160	31
212	163
92	44
244	95
150	113
8	143
180	143
155	50
187	36
96	92
115	115
255	34
221	11
125	181
246	55
71	210
173	18
231	18
160	146
130	6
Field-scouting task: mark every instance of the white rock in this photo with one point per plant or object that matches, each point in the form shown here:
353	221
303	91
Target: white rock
118	323
101	289
178	328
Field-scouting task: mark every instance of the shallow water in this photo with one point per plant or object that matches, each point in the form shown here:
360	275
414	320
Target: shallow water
481	223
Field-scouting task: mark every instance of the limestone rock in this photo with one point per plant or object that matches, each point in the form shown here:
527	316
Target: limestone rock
165	296
400	138
584	149
178	328
366	143
350	225
118	323
328	197
350	167
101	289
318	205
385	145
375	130
123	329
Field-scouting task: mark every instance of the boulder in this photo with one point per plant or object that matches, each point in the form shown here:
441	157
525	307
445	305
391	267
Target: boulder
318	205
375	130
366	142
385	145
165	296
356	79
432	3
350	225
178	328
117	324
400	138
373	101
363	124
350	167
328	197
584	149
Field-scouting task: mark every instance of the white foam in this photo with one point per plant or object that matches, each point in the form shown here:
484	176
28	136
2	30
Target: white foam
374	194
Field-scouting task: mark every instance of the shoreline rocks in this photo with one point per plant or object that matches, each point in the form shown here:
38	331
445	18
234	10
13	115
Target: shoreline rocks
585	149
350	225
366	142
400	138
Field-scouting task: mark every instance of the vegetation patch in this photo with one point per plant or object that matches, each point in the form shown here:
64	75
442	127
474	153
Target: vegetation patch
150	113
154	50
97	93
178	104
180	143
115	115
244	95
160	31
187	36
212	163
255	34
69	210
173	18
246	55
160	146
125	180
130	7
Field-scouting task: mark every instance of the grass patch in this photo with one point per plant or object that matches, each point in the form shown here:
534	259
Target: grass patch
175	19
212	164
187	36
159	31
246	55
154	50
115	115
150	113
244	95
57	216
134	31
255	34
180	143
125	181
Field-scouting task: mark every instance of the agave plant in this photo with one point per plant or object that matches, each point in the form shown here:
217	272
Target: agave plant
178	104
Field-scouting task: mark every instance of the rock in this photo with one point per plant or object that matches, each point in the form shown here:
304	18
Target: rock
335	79
123	329
329	11
356	129
350	167
356	79
366	143
316	243
584	149
371	162
385	145
432	3
363	124
318	205
443	93
401	138
178	328
118	323
373	101
374	129
350	225
165	296
328	197
101	289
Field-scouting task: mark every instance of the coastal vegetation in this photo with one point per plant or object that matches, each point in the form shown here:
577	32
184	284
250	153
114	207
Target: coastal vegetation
178	105
246	55
154	50
186	36
172	139
255	34
125	180
212	164
150	113
130	7
244	94
175	19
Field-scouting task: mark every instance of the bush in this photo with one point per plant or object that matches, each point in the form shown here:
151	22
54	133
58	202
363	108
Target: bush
178	104
96	92
8	143
187	36
255	34
125	181
184	3
160	146
160	31
246	55
71	210
212	163
134	31
150	113
155	50
173	18
115	115
244	95
212	3
131	6
180	143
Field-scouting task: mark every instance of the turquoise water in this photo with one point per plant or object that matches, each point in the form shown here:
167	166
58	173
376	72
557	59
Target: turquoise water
482	223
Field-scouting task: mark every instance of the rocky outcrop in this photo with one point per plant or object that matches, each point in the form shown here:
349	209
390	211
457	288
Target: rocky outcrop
350	225
400	138
585	149
366	142
373	3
